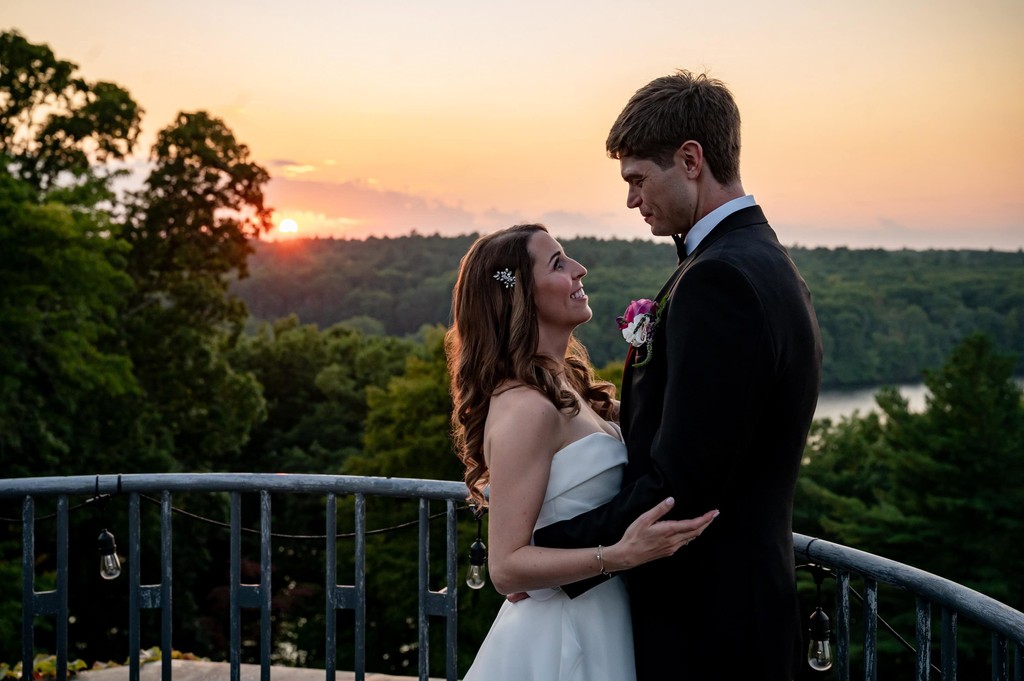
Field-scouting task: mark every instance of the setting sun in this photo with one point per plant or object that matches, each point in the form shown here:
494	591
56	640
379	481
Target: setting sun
288	226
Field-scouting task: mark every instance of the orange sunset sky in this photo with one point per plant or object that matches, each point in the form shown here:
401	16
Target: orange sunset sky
891	123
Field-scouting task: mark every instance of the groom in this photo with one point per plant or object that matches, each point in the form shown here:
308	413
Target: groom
716	411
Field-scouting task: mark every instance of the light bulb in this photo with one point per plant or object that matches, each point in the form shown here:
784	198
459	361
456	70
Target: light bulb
819	652
819	656
110	564
476	576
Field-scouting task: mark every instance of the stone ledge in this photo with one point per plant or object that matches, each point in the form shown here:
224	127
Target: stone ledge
189	670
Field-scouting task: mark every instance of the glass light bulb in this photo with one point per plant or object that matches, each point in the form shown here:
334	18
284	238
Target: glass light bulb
819	656
476	576
110	564
819	652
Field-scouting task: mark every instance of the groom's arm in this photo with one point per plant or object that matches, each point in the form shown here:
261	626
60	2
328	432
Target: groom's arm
603	525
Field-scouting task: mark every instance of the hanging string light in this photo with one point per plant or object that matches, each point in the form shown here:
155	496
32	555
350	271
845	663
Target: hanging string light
476	576
110	564
819	650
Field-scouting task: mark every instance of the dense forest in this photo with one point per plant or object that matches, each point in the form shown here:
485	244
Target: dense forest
154	332
885	315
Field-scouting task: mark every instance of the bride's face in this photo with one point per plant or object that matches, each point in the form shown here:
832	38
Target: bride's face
558	294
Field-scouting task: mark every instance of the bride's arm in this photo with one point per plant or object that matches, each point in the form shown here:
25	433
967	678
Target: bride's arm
523	432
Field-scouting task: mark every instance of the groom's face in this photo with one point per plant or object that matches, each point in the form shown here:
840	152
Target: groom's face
665	197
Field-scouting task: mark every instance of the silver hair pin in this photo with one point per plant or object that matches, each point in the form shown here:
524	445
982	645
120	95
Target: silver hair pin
506	277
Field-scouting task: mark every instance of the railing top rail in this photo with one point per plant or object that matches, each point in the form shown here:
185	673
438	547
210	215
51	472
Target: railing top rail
232	482
964	600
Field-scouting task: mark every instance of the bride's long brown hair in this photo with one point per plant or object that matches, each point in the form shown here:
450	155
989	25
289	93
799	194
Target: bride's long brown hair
493	340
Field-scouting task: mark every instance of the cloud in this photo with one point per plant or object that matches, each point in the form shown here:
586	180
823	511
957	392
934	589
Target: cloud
889	234
358	209
292	168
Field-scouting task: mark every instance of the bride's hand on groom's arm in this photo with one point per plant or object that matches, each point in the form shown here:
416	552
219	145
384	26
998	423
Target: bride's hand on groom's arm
649	538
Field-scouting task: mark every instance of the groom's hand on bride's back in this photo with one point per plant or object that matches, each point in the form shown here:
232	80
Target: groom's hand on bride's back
517	596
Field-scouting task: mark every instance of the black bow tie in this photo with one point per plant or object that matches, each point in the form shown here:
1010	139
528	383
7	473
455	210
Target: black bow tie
680	248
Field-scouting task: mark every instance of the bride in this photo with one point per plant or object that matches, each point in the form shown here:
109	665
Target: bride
533	425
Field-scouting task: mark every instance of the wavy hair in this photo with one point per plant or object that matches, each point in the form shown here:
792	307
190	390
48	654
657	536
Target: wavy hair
669	110
492	345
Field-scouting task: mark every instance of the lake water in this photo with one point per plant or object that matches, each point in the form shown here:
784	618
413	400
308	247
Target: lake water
836	403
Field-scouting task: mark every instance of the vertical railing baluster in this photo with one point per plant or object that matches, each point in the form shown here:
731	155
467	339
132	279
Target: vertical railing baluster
346	597
53	602
1018	662
28	585
166	592
842	660
1000	671
452	595
134	586
235	616
924	638
948	644
149	596
360	587
331	587
424	587
870	630
62	588
265	592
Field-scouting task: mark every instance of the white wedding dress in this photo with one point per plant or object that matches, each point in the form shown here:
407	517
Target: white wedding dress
550	637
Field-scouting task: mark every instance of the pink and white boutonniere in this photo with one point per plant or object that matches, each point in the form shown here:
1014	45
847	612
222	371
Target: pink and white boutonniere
637	324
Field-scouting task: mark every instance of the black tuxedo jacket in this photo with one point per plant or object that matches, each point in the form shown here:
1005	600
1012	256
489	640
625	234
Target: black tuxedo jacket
717	418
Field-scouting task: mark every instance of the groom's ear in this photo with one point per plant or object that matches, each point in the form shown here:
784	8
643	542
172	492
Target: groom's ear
690	158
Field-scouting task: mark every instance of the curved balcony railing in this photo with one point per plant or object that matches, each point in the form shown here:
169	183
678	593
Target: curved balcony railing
1005	624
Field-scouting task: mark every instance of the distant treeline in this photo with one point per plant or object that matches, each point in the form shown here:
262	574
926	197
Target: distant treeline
884	315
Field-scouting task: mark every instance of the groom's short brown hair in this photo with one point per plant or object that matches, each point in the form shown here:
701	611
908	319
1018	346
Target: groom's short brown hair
670	110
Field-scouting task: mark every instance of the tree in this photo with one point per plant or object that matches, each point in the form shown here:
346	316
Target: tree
189	229
62	280
115	316
60	288
927	489
55	124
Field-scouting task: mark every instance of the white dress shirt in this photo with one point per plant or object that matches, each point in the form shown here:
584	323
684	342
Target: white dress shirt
711	220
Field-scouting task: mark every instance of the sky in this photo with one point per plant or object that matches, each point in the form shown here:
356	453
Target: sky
867	124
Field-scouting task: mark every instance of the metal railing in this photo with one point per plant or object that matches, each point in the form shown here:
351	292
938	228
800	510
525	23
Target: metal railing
1005	624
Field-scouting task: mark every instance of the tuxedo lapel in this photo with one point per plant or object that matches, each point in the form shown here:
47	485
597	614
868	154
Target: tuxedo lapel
740	219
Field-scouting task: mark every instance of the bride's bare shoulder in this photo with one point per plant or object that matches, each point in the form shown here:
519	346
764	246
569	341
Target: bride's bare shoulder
517	403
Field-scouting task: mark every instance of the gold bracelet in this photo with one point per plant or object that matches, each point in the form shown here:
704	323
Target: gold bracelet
600	560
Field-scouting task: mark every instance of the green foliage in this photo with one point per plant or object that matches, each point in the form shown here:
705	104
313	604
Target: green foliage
60	289
43	667
55	123
189	228
933	488
885	316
